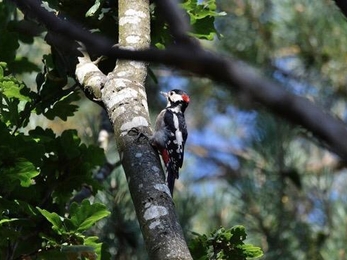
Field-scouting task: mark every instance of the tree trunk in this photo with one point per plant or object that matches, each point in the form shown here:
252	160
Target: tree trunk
125	99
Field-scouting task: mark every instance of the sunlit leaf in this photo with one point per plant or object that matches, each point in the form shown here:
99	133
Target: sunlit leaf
91	12
251	251
12	88
202	17
86	215
20	170
54	219
2	221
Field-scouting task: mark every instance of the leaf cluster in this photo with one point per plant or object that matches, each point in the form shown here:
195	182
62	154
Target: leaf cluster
40	172
224	244
201	16
69	229
13	31
51	99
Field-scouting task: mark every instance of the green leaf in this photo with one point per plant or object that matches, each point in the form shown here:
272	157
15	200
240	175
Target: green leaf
93	241
16	101
86	215
92	156
198	247
55	100
11	88
92	11
54	219
202	17
237	233
20	170
63	108
251	251
70	142
7	220
9	111
18	146
25	207
79	161
25	171
42	135
2	67
224	244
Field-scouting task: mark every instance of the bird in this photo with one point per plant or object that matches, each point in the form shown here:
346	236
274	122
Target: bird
170	133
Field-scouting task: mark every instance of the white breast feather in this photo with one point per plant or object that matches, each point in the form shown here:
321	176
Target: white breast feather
178	134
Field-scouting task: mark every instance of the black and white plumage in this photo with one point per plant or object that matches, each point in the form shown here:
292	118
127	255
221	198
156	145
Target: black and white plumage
171	133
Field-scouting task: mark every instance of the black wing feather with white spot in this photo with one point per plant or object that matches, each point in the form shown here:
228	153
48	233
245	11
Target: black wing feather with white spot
176	126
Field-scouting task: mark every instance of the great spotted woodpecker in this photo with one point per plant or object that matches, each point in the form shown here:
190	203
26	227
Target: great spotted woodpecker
170	133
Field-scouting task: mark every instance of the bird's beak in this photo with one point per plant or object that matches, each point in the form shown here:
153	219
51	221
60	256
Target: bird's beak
164	94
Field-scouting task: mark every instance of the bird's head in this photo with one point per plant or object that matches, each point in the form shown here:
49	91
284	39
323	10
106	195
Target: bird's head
177	98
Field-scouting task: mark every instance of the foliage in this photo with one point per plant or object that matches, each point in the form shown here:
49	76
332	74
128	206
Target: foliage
43	182
40	171
257	170
69	230
266	33
224	244
10	40
202	18
260	171
120	231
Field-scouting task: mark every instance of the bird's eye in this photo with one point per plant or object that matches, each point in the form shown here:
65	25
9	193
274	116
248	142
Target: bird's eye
171	93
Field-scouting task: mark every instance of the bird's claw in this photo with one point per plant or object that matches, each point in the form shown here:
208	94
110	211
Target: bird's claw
138	134
134	130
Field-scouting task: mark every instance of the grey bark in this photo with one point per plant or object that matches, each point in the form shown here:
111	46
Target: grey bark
123	94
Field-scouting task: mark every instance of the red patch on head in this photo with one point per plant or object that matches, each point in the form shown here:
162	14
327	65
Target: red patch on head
185	98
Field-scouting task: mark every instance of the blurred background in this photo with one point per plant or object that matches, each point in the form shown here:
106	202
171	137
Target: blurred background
242	164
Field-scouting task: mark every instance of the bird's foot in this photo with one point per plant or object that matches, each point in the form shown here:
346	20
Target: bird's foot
135	131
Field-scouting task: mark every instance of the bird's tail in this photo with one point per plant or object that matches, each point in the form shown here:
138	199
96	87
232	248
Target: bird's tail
172	175
171	170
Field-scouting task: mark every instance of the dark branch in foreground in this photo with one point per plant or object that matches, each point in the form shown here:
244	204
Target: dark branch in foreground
256	88
342	4
178	23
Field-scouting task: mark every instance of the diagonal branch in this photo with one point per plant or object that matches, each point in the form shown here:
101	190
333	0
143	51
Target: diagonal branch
256	88
272	95
342	4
